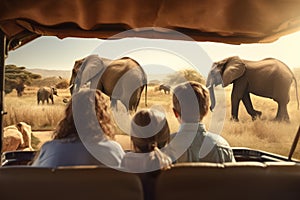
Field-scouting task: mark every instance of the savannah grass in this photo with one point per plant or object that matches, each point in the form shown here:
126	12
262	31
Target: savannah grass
263	134
26	109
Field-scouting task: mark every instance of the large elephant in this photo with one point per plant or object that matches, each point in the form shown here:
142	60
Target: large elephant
269	78
46	93
122	79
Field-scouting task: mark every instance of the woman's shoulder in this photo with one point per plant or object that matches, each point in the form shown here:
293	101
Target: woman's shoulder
49	143
112	145
55	143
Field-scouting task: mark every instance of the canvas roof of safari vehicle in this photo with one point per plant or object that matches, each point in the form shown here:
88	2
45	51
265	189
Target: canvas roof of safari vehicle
229	21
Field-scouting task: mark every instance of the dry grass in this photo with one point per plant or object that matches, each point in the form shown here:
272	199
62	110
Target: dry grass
263	134
25	108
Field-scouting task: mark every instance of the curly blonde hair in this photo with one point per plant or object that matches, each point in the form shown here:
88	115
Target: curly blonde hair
84	98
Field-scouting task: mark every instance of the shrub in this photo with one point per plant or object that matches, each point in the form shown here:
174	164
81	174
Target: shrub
16	77
62	84
185	75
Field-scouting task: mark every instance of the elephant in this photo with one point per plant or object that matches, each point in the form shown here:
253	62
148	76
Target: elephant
11	84
269	78
121	79
20	89
46	93
17	137
165	88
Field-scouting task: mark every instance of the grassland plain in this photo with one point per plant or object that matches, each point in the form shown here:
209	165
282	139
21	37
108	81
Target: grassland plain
263	134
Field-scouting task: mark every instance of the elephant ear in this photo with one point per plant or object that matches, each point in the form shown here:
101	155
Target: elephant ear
89	72
235	68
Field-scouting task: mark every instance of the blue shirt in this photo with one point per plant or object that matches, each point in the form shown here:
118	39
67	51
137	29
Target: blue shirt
61	152
206	147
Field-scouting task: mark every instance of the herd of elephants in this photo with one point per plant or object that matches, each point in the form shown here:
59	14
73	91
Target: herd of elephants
124	79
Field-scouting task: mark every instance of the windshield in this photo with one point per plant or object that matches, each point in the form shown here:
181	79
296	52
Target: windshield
48	62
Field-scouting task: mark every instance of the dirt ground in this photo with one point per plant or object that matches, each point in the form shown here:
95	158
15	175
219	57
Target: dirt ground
45	136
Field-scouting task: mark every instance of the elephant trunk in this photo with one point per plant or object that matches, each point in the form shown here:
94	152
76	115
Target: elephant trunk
210	86
212	97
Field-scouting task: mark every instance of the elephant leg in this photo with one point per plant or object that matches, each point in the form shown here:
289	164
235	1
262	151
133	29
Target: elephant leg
249	106
282	114
286	114
236	96
135	99
235	109
277	118
235	102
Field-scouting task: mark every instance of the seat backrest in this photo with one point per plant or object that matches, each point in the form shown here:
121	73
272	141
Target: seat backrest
68	183
245	180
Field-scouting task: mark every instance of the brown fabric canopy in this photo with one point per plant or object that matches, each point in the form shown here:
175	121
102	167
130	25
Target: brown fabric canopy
227	21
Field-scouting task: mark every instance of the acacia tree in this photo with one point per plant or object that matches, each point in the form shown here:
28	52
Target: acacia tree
185	75
17	78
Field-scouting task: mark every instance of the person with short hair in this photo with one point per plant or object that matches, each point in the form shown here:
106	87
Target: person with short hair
190	106
149	133
84	136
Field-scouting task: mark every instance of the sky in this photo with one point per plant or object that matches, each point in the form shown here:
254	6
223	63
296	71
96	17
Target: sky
54	53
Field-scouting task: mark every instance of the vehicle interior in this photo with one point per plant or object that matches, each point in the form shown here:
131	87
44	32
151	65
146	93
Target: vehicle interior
257	174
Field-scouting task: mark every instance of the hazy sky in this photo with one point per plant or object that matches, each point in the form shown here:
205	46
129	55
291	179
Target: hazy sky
53	53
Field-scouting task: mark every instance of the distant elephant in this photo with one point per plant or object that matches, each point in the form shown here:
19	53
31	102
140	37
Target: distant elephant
165	88
11	84
20	89
122	79
269	78
17	137
46	93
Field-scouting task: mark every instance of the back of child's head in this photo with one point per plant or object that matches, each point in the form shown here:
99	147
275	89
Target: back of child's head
149	129
191	101
149	133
